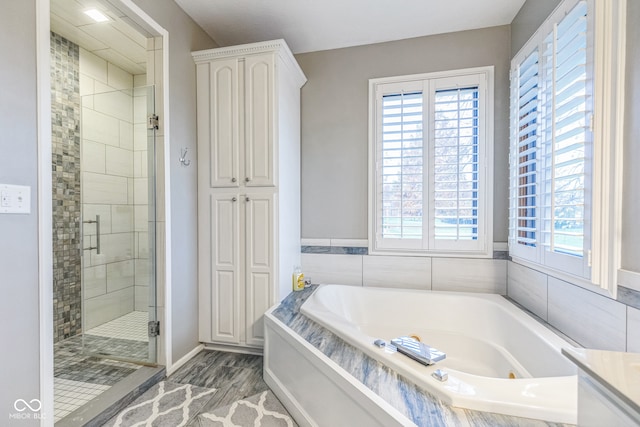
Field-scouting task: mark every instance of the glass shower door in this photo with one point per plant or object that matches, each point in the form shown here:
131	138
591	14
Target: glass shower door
118	159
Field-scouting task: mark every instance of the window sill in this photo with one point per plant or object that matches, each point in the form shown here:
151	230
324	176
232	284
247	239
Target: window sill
433	254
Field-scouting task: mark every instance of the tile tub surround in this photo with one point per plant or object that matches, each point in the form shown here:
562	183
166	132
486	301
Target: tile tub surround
445	274
65	146
592	320
605	324
421	407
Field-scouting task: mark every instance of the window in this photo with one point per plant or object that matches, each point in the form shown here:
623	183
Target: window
431	145
558	162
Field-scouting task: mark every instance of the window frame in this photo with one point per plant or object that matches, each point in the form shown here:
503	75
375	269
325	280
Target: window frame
606	32
482	247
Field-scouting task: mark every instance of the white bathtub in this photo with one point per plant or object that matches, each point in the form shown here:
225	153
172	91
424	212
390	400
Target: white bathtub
485	337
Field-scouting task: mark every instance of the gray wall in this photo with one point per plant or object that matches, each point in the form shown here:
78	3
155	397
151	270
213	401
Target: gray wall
18	165
184	36
631	204
19	233
335	115
526	22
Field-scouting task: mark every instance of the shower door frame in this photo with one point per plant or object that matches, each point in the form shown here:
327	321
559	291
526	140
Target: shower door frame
44	201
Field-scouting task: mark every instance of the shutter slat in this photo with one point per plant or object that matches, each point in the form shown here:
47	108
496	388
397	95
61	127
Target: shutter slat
524	173
401	194
452	112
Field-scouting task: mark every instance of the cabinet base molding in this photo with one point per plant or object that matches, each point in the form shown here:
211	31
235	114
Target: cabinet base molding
233	348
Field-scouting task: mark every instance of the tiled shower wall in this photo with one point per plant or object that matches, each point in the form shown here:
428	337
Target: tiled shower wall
65	117
115	180
141	191
114	187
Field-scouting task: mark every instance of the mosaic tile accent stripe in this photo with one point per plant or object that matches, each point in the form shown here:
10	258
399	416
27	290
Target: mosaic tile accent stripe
65	122
349	250
346	250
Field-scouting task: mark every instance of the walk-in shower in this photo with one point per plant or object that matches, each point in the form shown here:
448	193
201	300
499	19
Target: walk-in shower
104	207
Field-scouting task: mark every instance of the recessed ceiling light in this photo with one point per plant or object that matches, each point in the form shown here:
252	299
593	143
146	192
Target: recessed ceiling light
96	15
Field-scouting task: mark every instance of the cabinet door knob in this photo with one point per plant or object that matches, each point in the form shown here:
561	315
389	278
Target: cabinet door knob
246	199
233	180
234	199
247	179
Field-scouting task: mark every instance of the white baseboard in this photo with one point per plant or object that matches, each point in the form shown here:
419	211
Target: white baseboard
184	359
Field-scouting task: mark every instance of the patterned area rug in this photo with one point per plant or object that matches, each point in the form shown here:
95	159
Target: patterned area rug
164	404
259	410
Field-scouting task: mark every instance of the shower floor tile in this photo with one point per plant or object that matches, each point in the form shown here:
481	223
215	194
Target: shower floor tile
70	395
80	377
131	326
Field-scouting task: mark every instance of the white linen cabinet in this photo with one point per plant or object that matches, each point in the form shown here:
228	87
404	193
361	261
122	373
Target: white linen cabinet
248	114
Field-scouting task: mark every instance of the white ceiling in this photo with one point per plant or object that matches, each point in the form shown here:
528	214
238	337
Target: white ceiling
116	41
312	25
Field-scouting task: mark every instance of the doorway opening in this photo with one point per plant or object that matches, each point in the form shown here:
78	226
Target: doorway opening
104	165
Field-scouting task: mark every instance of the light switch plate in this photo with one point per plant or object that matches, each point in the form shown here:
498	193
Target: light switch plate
15	199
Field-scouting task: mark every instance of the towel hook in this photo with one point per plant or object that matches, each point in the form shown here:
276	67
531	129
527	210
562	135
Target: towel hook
183	156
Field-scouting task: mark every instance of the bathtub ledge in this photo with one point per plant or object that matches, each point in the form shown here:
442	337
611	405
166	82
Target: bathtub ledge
422	408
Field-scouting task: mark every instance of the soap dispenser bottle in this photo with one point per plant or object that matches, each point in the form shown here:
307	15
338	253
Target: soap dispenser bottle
298	279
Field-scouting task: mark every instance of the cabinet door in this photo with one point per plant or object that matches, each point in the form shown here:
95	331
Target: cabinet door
218	123
226	299
259	120
259	268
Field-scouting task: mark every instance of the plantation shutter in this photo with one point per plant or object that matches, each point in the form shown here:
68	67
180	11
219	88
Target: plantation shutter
402	157
429	176
524	157
565	101
456	164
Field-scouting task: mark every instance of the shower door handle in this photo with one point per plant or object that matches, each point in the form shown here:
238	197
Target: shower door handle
98	234
97	223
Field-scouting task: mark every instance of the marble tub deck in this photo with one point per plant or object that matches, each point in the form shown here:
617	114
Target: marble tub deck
416	404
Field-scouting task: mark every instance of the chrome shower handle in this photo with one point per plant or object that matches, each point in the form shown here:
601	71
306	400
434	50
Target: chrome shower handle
98	234
97	223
